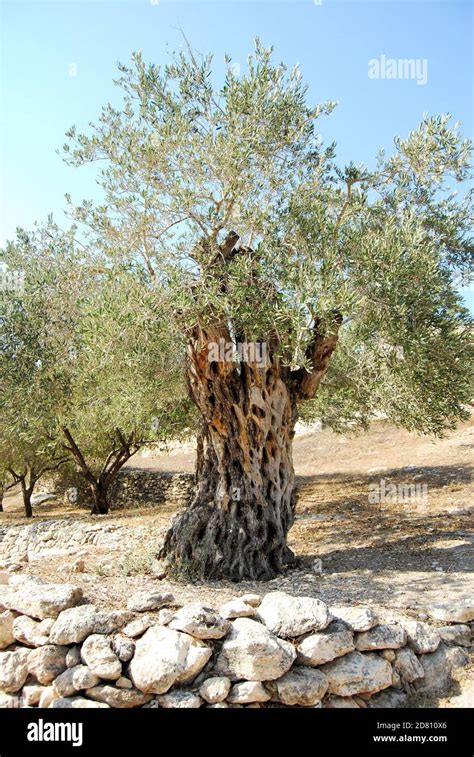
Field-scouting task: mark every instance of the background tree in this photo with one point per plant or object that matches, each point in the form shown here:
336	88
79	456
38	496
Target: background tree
227	196
89	365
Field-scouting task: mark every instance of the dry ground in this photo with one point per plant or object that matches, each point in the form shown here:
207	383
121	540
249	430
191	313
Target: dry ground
405	554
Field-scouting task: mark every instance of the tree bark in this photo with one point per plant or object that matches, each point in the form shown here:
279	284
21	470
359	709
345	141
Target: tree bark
237	523
26	492
100	504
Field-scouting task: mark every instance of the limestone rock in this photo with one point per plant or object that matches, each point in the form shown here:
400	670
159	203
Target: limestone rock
356	672
357	618
215	689
340	703
200	622
38	599
181	699
138	626
460	612
124	683
252	652
9	701
118	697
73	625
13	670
164	657
456	634
75	679
77	703
6	629
381	637
387	654
48	696
290	617
47	663
73	656
238	608
31	632
300	686
123	647
324	646
31	693
248	692
407	665
421	637
97	654
143	601
216	706
254	600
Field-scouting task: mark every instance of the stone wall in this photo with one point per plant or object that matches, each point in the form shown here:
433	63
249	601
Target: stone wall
144	488
275	651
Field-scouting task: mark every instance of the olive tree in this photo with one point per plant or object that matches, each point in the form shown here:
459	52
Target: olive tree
90	365
299	285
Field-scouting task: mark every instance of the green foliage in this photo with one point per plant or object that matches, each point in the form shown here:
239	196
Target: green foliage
87	346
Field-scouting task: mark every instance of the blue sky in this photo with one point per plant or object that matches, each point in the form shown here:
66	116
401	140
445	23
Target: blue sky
332	41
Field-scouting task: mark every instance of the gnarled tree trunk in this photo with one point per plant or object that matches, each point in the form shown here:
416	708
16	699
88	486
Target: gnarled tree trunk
237	523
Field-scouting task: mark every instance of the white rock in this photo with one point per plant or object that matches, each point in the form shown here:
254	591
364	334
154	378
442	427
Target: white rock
9	701
248	692
252	652
118	697
165	616
462	611
73	656
143	601
46	663
215	689
290	617
77	703
408	665
31	632
340	703
421	637
300	686
238	608
381	637
324	646
39	599
200	622
13	670
181	699
123	647
48	696
164	657
357	618
72	626
251	599
438	667
456	634
139	626
218	706
124	683
6	629
32	693
97	654
75	679
357	673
